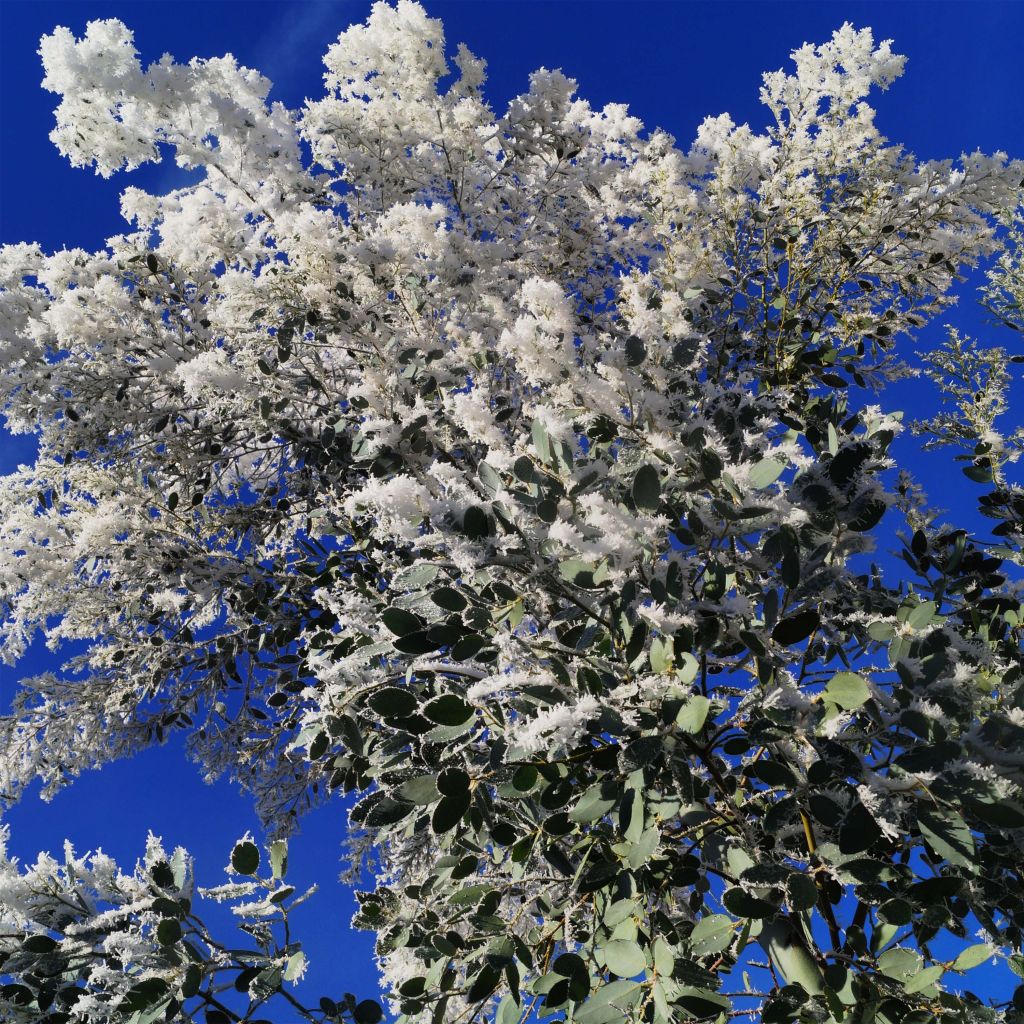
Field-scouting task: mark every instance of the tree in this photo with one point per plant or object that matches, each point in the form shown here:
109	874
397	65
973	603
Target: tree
518	476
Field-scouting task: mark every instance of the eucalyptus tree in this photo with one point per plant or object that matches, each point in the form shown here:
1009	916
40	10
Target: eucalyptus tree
518	476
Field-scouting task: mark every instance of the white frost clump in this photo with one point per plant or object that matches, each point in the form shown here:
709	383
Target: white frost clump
206	372
555	728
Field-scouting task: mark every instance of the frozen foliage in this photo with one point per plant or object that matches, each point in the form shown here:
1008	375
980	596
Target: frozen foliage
515	472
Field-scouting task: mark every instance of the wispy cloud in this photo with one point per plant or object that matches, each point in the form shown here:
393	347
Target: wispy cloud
295	41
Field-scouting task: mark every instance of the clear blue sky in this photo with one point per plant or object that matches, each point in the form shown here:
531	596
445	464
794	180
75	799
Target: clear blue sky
672	62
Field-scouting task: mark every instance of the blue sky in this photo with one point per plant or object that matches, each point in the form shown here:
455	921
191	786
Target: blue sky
674	63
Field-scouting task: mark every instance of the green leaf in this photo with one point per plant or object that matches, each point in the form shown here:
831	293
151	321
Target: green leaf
636	351
387	812
948	835
420	791
922	615
743	904
449	811
664	959
643	849
483	984
400	621
595	803
789	570
766	472
923	979
631	816
846	463
896	912
414	577
541	441
972	956
318	746
1004	813
790	957
448	709
866	516
245	858
795	628
711	934
647	488
168	931
859	830
525	778
453	781
693	714
711	464
569	964
661	654
801	891
279	858
367	1012
929	890
583	574
509	1011
489	478
144	994
624	958
393	702
296	962
687	668
193	979
881	631
449	599
447	733
700	1003
899	964
848	690
979	474
475	523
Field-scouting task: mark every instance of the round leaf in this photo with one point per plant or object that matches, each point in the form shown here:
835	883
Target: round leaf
624	958
711	934
400	621
245	858
647	488
392	702
448	709
899	963
848	690
168	931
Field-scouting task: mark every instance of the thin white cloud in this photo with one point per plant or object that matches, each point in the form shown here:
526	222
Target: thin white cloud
300	36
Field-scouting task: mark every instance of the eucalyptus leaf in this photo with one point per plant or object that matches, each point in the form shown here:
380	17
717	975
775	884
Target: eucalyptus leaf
647	488
711	934
947	834
766	472
899	963
624	958
245	858
693	714
848	690
972	956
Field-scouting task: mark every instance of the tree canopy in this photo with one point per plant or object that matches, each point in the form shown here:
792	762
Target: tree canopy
519	476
